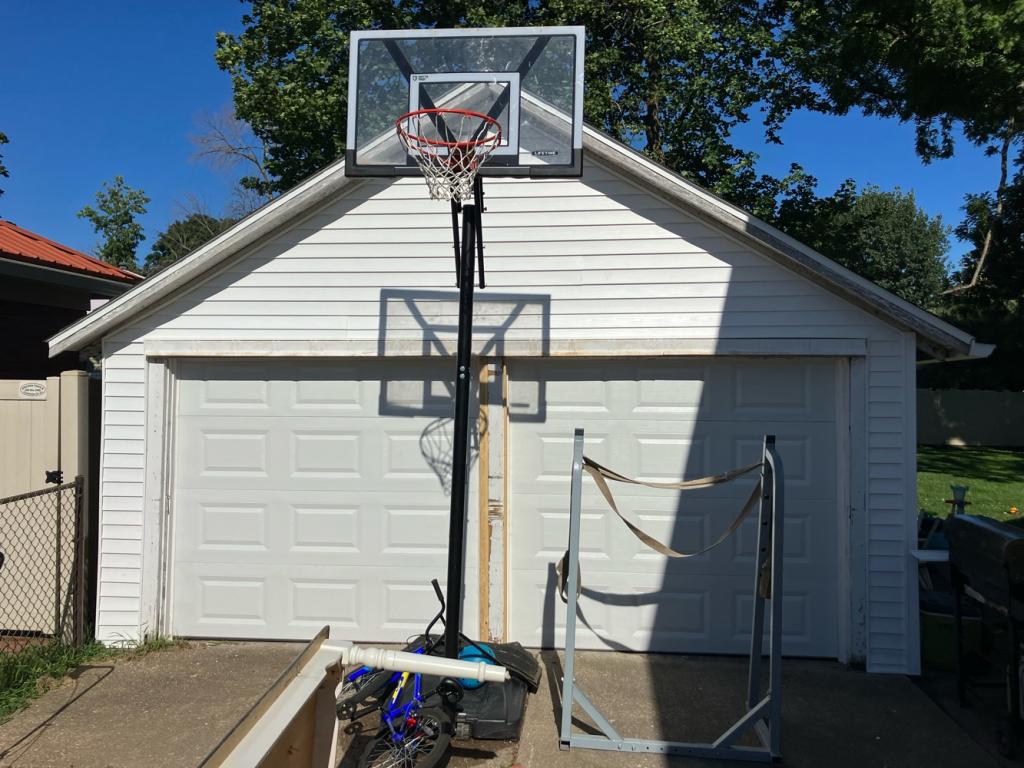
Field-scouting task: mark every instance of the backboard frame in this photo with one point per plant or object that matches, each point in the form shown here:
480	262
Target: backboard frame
506	160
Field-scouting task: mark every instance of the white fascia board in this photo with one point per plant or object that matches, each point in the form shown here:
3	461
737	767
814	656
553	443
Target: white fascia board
610	348
274	215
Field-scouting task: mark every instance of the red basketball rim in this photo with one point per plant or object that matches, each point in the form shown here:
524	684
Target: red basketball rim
493	139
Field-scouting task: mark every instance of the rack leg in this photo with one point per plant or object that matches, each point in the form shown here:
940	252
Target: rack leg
572	582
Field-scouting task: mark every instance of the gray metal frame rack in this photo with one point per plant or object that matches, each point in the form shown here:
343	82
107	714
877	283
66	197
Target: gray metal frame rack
764	711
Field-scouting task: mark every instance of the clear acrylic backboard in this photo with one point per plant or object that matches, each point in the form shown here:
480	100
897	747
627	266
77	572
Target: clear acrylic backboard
529	79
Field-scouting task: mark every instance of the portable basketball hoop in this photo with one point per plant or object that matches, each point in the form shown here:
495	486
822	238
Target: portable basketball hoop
450	146
455	106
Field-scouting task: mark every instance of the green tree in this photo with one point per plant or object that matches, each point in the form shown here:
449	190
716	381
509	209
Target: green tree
114	218
937	63
670	78
3	168
674	79
181	238
883	236
994	309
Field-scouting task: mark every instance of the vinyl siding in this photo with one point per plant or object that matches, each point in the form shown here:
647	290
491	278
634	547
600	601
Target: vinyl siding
595	258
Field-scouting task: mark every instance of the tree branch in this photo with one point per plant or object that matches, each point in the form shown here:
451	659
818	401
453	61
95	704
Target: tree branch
986	247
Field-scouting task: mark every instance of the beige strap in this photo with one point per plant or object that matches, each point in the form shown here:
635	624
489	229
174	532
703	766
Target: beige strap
599	473
562	574
701	482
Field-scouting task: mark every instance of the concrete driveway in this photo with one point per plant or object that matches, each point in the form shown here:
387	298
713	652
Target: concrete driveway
170	708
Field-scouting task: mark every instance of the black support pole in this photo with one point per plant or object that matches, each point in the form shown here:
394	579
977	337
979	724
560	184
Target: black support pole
456	207
478	200
460	436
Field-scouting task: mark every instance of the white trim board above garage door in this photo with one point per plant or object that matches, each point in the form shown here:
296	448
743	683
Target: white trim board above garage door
662	420
309	493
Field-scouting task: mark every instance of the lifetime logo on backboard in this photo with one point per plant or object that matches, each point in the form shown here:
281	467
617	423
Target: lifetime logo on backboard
544	152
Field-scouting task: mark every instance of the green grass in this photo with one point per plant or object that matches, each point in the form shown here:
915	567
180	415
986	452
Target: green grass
994	476
35	669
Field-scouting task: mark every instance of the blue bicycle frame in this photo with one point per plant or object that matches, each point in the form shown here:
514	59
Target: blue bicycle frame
394	713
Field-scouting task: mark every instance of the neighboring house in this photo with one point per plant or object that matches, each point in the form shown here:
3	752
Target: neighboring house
275	416
44	286
45	422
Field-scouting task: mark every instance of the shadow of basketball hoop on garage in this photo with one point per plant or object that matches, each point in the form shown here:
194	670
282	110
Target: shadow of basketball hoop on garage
424	324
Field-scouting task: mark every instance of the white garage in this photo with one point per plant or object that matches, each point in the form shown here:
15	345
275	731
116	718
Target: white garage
276	432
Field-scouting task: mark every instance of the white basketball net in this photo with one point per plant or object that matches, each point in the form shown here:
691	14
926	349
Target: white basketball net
449	145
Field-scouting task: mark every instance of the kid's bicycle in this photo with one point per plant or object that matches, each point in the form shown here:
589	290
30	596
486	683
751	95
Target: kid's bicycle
419	714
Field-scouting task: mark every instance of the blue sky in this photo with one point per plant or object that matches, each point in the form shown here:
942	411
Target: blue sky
98	89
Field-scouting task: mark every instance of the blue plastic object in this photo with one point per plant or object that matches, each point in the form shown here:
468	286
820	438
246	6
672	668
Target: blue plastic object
478	652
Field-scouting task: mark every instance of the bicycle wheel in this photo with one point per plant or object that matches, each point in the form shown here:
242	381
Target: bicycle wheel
424	745
355	692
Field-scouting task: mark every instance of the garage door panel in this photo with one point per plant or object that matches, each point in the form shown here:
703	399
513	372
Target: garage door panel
642	614
667	452
686	613
807	537
295	602
606	542
343	454
773	391
413	387
312	527
313	493
604	538
667	421
776	390
545	457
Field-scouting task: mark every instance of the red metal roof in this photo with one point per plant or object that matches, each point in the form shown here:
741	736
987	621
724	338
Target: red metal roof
18	243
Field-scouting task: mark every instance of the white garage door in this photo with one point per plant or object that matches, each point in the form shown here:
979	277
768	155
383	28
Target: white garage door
312	494
662	420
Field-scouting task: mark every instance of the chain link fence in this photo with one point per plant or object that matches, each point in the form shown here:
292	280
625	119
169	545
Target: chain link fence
42	572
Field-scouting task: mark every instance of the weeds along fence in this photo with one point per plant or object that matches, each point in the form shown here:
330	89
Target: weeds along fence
42	575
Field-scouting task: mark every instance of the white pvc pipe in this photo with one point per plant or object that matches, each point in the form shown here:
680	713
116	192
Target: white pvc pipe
401	661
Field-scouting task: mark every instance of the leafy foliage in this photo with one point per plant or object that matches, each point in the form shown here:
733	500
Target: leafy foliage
675	78
181	238
935	62
114	217
670	78
938	63
994	309
883	236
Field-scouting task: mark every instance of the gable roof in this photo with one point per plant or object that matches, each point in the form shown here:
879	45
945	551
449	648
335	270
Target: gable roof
20	244
934	335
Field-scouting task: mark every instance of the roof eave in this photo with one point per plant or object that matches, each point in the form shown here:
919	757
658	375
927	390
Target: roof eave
933	334
276	214
96	285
